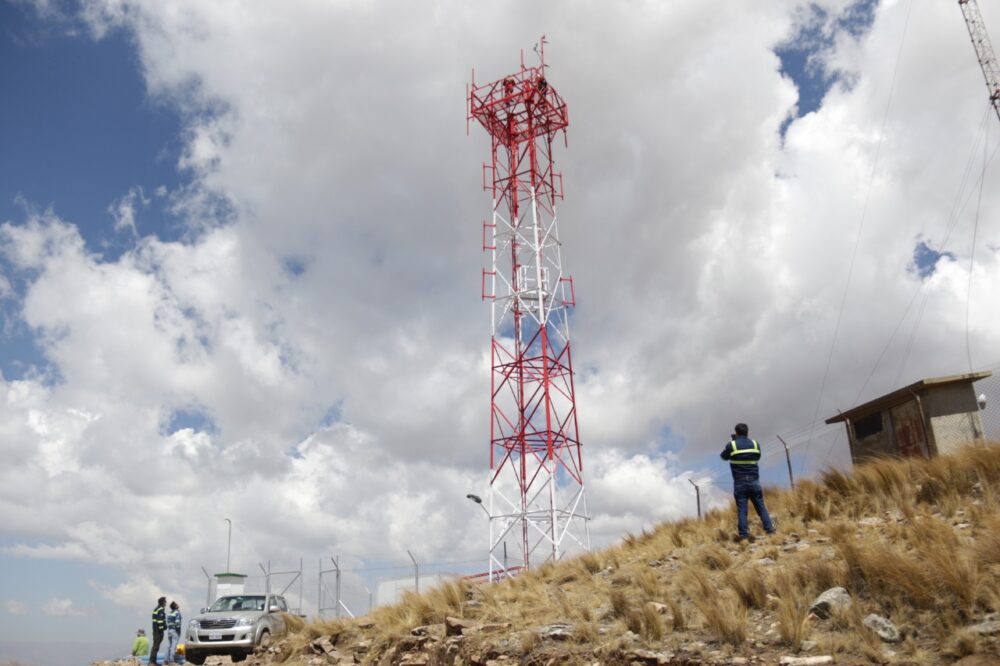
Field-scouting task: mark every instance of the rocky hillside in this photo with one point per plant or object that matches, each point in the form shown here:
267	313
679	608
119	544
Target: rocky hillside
898	562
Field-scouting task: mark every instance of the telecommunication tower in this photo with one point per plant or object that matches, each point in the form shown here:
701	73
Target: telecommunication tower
536	494
984	50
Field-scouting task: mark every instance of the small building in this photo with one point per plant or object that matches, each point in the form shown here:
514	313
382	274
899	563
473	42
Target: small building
927	418
228	584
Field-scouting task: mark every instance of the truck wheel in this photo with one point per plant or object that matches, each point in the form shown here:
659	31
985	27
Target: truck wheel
238	656
194	658
265	640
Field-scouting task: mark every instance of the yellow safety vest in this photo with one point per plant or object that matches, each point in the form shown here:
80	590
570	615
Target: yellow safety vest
735	451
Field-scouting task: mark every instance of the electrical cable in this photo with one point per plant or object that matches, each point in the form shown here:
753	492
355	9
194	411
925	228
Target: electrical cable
972	255
861	226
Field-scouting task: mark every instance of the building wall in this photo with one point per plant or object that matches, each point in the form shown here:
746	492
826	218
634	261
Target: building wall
909	431
876	444
954	416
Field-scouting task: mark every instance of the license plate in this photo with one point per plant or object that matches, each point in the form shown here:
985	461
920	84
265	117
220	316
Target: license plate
215	636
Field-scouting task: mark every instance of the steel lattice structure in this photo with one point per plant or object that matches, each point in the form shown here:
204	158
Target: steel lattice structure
984	50
536	495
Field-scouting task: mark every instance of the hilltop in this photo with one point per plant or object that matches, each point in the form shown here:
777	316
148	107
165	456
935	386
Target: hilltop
914	545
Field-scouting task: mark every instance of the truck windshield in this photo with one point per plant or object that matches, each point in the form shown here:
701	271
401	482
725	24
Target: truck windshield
242	603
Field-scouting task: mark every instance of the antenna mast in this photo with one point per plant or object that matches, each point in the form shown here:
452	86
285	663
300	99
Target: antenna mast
536	496
984	50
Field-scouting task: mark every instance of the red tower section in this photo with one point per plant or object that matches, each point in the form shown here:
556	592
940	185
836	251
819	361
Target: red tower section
536	495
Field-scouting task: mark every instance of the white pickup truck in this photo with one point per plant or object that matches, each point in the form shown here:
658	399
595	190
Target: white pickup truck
234	626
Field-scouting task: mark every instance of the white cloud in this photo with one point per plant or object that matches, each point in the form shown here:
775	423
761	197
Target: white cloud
15	607
61	607
138	593
125	210
709	260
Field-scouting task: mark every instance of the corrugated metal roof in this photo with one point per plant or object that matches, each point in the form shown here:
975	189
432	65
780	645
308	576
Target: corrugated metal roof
899	396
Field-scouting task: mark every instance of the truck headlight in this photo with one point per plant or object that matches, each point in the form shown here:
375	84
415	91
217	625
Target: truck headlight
193	624
244	622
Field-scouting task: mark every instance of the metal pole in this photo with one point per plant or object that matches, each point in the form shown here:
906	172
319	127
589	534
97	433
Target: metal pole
208	595
229	543
336	565
319	590
505	556
697	494
788	459
416	573
301	583
369	597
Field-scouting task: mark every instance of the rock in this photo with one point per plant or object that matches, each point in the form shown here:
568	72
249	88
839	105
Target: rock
871	521
824	604
658	608
489	628
884	627
415	659
366	624
763	562
324	646
433	630
454	626
988	628
647	657
556	632
806	661
655	563
737	661
963	526
808	646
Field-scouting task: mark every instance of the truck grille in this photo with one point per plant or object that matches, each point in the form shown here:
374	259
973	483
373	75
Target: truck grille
222	623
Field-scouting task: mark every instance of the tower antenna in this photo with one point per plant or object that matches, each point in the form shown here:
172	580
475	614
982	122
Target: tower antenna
984	50
536	494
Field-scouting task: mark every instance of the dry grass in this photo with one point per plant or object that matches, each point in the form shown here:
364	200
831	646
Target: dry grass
725	617
678	621
792	610
931	562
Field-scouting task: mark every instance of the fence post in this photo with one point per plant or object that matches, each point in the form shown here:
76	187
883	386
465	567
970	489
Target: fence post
416	572
208	595
697	494
788	459
336	566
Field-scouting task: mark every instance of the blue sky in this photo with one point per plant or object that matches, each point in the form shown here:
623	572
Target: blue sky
160	379
77	132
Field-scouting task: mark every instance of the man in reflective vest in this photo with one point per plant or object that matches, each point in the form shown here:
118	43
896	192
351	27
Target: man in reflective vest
159	626
743	454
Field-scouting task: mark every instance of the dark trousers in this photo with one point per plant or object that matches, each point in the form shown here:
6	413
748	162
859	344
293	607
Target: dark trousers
749	490
155	647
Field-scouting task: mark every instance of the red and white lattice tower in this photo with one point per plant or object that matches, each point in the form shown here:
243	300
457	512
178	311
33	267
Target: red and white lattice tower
536	495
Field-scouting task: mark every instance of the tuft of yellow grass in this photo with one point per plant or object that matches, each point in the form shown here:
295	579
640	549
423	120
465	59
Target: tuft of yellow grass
792	610
749	587
725	617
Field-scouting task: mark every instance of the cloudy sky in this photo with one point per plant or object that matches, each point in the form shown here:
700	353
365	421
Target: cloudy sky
239	268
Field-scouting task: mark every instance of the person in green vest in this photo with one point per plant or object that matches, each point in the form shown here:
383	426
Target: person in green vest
743	453
159	628
140	647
